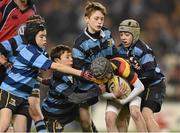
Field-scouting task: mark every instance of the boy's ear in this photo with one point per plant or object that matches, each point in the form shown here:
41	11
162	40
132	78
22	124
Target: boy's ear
86	19
57	60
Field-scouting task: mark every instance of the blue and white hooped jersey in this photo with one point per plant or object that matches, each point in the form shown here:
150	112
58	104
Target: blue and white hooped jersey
56	103
87	48
10	48
22	77
150	73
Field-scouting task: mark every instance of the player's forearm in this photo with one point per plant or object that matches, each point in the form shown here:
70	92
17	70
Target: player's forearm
138	88
108	96
66	69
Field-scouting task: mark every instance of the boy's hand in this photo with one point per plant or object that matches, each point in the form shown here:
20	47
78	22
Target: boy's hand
3	59
4	62
119	91
87	75
135	63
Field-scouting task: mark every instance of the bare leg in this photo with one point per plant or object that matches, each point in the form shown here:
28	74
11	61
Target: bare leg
34	108
5	119
138	118
151	123
36	113
85	119
20	123
123	119
110	118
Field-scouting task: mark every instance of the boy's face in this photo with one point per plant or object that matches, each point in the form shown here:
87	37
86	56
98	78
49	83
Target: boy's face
126	38
41	39
65	58
95	21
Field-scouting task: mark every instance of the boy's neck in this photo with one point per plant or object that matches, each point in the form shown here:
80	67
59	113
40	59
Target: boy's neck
95	35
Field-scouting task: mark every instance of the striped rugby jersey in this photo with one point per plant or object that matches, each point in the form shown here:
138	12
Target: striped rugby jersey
123	69
10	48
56	104
150	74
87	48
22	77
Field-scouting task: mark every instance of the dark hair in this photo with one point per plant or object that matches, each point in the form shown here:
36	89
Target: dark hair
94	6
57	51
33	25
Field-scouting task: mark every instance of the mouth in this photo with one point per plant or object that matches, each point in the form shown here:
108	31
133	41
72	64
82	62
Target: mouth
124	42
99	27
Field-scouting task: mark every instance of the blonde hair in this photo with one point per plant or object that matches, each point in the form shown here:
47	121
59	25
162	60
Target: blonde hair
94	6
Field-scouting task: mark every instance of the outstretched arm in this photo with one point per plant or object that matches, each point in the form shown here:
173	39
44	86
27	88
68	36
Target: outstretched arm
69	70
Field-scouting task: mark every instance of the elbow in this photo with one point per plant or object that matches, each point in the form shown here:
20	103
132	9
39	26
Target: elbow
142	87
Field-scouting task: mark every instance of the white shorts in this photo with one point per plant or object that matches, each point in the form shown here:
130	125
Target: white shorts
115	107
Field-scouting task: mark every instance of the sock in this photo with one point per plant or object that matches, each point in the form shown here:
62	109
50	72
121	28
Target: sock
40	126
94	127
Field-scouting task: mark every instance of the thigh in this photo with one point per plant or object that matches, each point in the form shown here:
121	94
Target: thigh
5	118
113	107
84	113
20	123
123	119
135	102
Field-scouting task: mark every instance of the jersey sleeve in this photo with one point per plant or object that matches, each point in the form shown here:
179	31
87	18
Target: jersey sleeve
32	57
123	69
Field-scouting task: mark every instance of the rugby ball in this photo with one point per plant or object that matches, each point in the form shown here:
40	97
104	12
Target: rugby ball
115	83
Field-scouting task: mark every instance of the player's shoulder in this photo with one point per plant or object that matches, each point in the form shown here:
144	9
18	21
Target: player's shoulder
142	45
80	39
120	60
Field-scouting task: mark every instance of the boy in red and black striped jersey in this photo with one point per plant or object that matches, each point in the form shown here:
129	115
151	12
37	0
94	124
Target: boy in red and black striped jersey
104	70
14	13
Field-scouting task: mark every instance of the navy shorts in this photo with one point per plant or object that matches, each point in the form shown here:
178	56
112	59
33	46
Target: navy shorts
153	96
18	105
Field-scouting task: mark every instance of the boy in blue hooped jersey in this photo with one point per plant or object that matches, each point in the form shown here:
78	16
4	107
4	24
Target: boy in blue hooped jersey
9	49
95	41
144	62
62	103
21	79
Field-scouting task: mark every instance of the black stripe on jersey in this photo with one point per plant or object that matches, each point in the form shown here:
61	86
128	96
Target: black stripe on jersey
97	49
9	8
2	9
30	74
78	63
149	66
62	105
3	50
117	63
13	43
21	87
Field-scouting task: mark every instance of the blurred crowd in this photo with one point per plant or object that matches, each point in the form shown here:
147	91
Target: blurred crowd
159	21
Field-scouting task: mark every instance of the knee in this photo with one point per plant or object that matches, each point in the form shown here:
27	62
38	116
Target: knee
35	113
147	114
85	124
135	113
110	121
3	127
